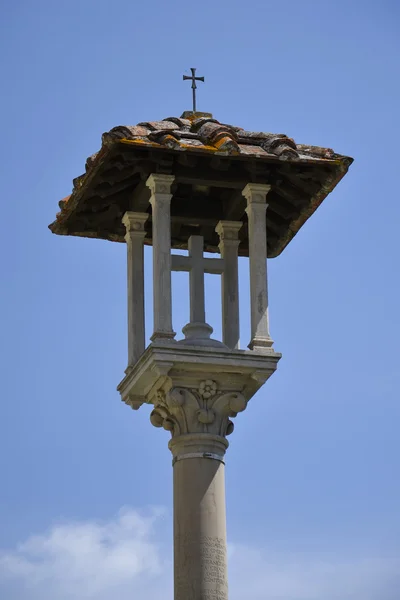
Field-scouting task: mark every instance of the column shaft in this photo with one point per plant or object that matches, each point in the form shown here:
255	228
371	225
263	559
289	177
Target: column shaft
256	211
229	243
160	200
196	278
200	556
135	234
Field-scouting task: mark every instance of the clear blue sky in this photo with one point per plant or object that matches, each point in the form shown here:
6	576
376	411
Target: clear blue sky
313	485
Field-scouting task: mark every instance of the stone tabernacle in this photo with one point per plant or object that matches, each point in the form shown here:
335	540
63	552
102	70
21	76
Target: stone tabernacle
196	184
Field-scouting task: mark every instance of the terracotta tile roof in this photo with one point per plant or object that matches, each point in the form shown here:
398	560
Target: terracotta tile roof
210	135
301	176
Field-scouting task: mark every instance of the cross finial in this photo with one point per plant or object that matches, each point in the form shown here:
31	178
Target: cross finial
193	78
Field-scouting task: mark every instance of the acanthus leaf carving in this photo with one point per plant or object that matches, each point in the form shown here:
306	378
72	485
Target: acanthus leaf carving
230	427
204	409
176	397
206	415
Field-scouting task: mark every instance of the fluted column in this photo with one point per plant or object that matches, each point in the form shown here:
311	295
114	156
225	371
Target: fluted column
135	234
160	186
228	232
256	195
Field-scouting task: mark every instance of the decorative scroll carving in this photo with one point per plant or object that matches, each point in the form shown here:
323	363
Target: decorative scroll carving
205	409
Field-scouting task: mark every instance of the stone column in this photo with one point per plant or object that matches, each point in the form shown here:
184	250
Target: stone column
160	186
256	195
196	279
135	234
200	561
198	416
198	413
229	243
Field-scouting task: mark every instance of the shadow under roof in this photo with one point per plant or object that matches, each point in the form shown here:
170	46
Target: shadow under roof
212	162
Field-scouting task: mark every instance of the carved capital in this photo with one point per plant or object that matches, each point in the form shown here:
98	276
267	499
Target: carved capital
256	193
204	409
228	232
196	392
134	223
160	184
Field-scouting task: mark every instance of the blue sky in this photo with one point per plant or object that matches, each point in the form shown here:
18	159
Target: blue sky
312	471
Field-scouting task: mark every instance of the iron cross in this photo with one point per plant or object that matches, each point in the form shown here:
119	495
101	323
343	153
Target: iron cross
194	86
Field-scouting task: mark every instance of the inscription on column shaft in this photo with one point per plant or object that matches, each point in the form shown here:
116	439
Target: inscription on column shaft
208	555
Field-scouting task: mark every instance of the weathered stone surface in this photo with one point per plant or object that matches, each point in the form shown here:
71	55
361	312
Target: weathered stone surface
160	200
134	223
256	196
200	556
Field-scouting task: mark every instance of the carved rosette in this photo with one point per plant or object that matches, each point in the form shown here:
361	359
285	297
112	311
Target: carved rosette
205	409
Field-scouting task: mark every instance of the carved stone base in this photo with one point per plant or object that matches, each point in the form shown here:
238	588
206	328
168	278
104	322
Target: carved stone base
199	334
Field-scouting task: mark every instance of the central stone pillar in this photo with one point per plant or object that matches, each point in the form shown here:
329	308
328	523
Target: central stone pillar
200	557
198	414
